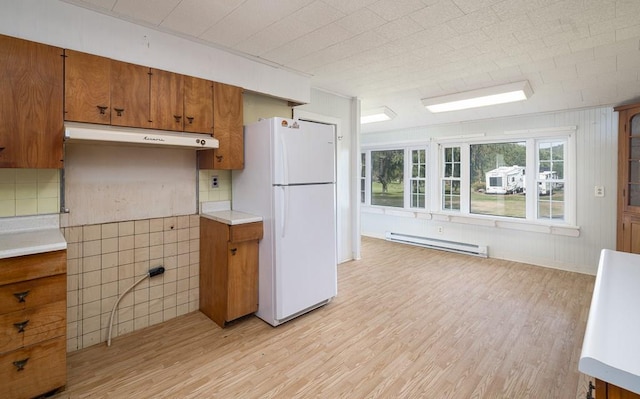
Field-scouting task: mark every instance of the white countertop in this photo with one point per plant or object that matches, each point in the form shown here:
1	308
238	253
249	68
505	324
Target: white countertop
231	217
30	235
611	348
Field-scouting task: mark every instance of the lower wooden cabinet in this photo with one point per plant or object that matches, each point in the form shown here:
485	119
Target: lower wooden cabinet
228	269
33	324
604	390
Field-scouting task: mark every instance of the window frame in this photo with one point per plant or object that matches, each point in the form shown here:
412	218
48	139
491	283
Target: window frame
434	171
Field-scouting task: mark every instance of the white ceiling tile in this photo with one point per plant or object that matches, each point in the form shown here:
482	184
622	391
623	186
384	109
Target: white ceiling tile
312	42
508	74
596	67
361	21
151	11
559	74
566	36
437	14
550	52
194	17
348	7
469	6
537	66
628	32
506	28
392	10
574	58
467	39
628	46
627	7
398	29
558	10
592	41
95	4
628	61
474	21
507	62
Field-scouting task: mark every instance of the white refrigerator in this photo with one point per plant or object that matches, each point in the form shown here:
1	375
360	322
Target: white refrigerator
289	180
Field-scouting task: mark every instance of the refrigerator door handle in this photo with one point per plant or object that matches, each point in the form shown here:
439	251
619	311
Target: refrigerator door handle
285	161
283	208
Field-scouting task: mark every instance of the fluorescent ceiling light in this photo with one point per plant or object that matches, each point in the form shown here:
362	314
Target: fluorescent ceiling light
479	98
376	115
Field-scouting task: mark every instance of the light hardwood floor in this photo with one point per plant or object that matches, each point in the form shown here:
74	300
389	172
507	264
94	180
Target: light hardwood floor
408	322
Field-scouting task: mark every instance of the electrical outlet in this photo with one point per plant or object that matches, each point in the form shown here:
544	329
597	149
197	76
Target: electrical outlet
440	229
214	182
599	191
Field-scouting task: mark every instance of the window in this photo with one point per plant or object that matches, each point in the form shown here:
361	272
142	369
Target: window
363	177
418	178
497	174
550	179
387	178
451	178
510	178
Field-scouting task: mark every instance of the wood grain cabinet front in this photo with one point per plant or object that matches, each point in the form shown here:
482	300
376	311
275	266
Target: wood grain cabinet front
87	88
628	231
228	269
605	390
31	101
33	322
227	128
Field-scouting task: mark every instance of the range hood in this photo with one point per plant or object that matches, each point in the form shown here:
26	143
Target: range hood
78	132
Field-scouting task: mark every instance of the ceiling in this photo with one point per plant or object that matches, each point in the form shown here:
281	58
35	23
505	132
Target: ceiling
574	53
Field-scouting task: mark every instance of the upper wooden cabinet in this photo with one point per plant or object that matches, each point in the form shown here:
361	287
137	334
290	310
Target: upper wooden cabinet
166	100
227	128
87	91
198	105
130	91
628	236
31	98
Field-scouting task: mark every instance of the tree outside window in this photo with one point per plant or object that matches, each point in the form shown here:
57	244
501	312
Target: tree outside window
387	178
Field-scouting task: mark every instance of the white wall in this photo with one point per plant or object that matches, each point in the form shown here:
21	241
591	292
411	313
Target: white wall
340	109
596	152
68	26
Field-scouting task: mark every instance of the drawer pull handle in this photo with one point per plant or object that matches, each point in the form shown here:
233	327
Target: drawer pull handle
219	157
102	109
21	326
178	118
119	111
21	363
21	296
233	251
190	119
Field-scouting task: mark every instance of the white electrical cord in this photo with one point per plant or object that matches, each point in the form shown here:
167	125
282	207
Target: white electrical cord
115	306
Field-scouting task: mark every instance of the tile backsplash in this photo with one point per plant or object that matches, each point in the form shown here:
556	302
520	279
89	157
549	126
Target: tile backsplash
104	260
208	193
29	192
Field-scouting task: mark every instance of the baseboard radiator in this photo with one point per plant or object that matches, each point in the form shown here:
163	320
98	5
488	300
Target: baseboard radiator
444	245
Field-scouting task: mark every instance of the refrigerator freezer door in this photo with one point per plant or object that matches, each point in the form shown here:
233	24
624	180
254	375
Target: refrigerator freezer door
305	236
304	155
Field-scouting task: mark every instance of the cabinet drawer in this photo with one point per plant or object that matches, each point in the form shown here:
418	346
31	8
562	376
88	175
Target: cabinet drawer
31	293
245	232
44	369
28	267
28	327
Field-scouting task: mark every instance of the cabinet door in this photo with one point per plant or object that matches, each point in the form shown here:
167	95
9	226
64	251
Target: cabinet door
242	277
198	105
227	128
630	159
87	80
31	97
129	95
166	100
630	234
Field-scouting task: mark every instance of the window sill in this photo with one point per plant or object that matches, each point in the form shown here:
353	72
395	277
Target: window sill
521	225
